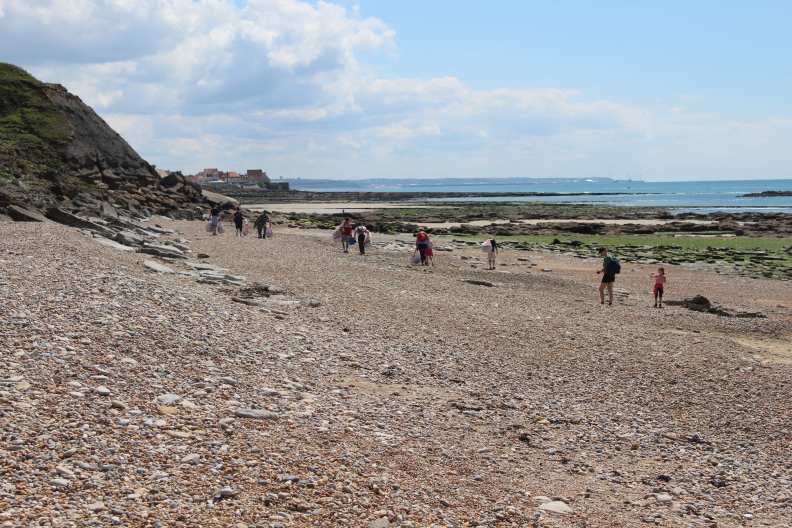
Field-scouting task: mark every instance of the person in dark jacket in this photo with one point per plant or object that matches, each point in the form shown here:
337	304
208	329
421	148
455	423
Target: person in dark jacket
239	222
493	251
608	276
261	224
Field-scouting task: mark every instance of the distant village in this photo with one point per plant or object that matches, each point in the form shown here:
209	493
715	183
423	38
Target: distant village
251	179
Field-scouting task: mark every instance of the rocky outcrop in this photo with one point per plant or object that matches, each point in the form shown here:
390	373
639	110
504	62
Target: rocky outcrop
767	194
219	200
699	303
57	154
20	214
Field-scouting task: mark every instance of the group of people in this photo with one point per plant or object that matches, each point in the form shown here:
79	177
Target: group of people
611	267
351	234
423	248
241	223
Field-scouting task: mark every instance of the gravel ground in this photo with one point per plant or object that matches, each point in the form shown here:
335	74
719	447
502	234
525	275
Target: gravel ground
360	391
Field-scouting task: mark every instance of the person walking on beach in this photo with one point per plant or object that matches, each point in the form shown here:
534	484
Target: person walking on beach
261	224
346	234
493	250
659	286
422	245
214	220
239	222
363	237
610	267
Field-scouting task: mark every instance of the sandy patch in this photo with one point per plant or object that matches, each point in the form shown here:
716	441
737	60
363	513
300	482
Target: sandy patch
773	350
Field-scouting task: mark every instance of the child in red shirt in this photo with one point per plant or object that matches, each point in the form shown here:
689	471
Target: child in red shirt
657	290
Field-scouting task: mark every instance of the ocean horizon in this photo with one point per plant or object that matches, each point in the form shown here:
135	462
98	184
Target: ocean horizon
680	195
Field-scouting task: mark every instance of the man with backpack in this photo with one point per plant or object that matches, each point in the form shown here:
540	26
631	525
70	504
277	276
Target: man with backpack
610	268
261	224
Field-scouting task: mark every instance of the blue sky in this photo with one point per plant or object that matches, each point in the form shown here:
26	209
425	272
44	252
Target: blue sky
375	88
726	56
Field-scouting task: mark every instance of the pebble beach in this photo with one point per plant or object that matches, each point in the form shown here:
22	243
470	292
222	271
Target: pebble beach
318	388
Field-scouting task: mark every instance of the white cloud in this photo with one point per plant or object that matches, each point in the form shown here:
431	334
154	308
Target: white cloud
279	84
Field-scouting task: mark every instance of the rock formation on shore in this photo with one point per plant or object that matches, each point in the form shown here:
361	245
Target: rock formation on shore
57	154
767	194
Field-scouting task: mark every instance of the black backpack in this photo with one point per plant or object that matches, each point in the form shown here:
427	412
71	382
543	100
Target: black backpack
613	266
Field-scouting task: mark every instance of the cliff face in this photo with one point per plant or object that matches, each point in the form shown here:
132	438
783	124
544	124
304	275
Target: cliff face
55	151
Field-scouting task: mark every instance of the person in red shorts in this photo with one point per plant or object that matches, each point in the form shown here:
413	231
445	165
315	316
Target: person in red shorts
659	286
346	234
429	254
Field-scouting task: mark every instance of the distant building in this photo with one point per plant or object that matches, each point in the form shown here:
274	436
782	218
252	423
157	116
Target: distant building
251	179
257	176
205	175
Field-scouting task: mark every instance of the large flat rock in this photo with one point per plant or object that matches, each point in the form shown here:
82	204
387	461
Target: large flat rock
218	199
156	266
21	214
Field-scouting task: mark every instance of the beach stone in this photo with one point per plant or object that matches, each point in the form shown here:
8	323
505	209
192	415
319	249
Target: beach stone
167	410
65	472
258	414
192	458
168	399
382	522
59	482
663	498
559	507
478	282
101	390
226	492
129	238
112	244
156	266
162	250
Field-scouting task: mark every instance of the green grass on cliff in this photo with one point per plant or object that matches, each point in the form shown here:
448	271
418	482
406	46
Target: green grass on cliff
32	130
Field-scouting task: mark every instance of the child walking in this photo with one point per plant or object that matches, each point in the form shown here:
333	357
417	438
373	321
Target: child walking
660	282
493	252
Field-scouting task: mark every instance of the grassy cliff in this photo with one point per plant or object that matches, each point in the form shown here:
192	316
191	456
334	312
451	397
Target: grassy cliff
33	131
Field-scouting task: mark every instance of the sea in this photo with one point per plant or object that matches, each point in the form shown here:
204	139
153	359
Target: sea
697	196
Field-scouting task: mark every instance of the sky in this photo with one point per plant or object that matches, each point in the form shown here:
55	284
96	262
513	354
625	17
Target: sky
395	89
